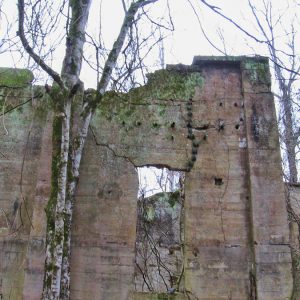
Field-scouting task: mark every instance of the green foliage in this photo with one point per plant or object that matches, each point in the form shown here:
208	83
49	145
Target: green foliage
4	92
174	197
165	200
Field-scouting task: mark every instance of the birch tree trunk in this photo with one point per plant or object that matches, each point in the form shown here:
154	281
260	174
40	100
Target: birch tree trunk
69	139
290	137
71	68
79	141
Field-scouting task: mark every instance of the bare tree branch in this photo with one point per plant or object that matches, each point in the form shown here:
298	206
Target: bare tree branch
30	50
247	33
115	51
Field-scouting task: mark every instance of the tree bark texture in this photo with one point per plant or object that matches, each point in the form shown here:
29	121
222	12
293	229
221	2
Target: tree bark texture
289	136
55	270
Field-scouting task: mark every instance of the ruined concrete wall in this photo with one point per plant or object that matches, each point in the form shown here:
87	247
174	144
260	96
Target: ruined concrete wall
24	173
223	134
237	228
293	196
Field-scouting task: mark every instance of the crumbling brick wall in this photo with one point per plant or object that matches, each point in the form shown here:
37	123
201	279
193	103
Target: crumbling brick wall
222	134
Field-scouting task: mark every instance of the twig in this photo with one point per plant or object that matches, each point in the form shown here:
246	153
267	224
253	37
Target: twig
30	51
3	110
15	107
23	199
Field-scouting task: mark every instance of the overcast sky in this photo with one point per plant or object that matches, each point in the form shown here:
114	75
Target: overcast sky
184	43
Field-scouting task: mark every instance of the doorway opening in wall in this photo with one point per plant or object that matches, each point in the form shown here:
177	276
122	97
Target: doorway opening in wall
160	232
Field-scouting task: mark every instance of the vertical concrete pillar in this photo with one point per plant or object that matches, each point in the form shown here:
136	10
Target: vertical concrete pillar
269	216
35	258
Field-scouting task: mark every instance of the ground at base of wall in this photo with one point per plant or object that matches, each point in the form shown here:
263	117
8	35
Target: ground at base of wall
157	296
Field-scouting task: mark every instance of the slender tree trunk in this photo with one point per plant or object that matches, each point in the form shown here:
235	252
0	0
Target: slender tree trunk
67	150
289	135
55	249
289	139
55	270
79	140
75	158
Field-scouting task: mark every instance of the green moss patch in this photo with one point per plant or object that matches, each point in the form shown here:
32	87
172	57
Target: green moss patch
15	78
257	71
162	86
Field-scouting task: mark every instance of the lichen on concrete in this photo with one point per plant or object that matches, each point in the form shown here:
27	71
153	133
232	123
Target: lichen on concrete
257	70
257	67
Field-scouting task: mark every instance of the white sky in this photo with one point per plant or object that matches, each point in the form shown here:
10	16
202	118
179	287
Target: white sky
153	180
182	45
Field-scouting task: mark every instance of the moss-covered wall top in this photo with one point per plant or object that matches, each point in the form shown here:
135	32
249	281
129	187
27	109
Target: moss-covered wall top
15	78
158	111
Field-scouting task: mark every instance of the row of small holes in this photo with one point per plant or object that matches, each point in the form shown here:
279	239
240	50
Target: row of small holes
235	104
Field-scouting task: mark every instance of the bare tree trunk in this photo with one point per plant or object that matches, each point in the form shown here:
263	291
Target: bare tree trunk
79	140
55	274
67	149
285	87
55	249
75	158
289	137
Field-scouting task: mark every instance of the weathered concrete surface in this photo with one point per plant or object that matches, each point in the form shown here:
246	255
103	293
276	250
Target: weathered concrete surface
236	229
269	228
293	195
104	230
218	244
21	135
33	281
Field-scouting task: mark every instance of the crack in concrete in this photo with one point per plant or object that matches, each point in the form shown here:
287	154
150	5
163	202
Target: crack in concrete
109	148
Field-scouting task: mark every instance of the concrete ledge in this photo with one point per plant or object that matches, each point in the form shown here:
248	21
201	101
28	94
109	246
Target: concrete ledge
15	78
